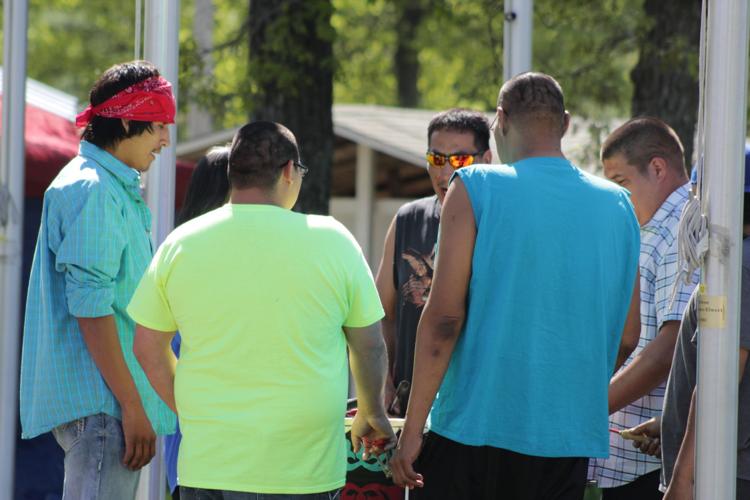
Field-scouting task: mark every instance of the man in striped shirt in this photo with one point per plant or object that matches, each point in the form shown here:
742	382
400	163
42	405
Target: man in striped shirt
79	377
646	157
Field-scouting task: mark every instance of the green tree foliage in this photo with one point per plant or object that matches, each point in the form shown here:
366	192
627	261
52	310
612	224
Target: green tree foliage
71	42
591	46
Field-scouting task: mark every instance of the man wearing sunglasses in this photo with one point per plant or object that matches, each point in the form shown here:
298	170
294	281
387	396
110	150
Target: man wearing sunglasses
456	138
536	275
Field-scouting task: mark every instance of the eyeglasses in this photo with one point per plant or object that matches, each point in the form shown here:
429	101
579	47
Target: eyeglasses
456	161
302	169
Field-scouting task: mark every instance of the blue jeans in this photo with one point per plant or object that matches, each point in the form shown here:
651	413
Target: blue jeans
94	447
188	493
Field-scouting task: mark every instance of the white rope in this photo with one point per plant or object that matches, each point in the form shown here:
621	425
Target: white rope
692	237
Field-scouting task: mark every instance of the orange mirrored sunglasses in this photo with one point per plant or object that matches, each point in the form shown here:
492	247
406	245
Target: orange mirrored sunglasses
455	160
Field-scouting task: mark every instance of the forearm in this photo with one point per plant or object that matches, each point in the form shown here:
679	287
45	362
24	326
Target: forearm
153	351
388	328
646	372
369	366
103	343
436	339
684	468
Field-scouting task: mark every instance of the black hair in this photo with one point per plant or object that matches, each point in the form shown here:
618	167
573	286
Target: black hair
108	132
209	185
533	98
640	139
463	120
259	150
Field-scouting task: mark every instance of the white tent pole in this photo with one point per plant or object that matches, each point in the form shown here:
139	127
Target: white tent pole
12	170
719	309
161	47
517	37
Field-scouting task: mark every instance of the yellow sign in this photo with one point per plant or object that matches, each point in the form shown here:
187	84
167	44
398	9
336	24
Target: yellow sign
712	311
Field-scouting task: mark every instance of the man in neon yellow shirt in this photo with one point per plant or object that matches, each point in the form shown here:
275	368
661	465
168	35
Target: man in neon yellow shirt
266	301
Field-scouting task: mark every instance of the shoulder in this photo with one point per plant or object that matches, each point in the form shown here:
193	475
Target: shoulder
80	181
327	227
486	171
418	207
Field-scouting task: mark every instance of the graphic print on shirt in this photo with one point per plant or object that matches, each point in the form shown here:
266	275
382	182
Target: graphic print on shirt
416	289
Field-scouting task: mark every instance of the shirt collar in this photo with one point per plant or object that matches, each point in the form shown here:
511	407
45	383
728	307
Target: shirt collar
674	202
128	176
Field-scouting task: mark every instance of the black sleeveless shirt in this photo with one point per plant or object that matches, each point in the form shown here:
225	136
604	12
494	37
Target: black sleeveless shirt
413	262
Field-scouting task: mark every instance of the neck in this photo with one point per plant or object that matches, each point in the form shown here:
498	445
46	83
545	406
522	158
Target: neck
537	150
254	196
115	151
646	213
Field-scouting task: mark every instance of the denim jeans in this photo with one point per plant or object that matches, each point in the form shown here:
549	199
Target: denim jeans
188	493
94	447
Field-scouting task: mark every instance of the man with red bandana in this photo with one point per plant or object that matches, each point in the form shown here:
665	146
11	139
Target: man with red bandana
79	377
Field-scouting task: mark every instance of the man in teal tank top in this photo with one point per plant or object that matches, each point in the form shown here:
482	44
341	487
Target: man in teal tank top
531	310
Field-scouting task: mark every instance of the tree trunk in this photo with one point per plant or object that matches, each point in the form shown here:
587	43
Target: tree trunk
666	77
406	58
291	70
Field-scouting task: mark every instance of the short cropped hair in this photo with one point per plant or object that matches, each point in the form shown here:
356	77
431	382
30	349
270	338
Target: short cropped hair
640	139
209	185
532	98
258	152
463	120
105	132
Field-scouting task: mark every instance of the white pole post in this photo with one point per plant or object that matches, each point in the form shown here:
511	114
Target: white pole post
719	308
517	37
12	171
364	197
161	47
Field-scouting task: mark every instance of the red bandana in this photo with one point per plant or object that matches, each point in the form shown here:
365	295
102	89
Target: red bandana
150	100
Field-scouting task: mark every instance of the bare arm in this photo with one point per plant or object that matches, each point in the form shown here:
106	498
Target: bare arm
632	330
388	297
153	351
439	327
103	343
368	362
683	476
649	369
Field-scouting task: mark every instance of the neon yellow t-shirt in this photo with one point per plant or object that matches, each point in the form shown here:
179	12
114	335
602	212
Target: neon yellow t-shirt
260	295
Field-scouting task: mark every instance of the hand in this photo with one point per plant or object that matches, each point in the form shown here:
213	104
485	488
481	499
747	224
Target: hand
651	432
372	431
679	489
407	451
140	439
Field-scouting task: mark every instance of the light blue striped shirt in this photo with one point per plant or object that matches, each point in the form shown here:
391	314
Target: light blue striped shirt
659	276
94	245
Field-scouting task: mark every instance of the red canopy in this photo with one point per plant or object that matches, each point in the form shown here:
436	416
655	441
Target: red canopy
52	141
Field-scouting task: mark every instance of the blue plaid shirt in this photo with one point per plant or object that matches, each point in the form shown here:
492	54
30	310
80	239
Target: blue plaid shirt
94	244
659	276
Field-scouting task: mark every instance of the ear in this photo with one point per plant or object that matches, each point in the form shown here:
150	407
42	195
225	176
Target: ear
287	172
658	167
487	157
125	124
566	123
502	121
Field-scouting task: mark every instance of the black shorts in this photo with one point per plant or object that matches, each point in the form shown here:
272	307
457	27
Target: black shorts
454	471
